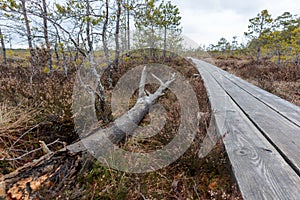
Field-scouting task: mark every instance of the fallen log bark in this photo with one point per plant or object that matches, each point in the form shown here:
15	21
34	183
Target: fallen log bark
52	171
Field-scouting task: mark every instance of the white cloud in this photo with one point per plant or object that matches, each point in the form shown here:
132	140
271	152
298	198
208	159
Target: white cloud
207	21
208	27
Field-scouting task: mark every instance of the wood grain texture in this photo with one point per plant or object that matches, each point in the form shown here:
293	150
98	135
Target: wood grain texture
285	108
260	170
284	134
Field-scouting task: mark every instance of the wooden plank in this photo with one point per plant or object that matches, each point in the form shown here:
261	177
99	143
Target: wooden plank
259	168
285	108
284	134
218	99
260	171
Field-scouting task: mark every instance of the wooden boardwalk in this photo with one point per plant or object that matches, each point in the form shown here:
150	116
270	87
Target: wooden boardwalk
261	135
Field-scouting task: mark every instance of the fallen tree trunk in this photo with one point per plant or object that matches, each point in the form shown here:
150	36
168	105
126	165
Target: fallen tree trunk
54	170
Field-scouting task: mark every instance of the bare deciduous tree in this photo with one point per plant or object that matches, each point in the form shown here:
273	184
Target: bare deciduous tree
3	46
45	28
28	30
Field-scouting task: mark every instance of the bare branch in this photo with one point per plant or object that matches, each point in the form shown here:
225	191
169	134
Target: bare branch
10	148
147	92
159	80
142	83
30	152
163	86
44	147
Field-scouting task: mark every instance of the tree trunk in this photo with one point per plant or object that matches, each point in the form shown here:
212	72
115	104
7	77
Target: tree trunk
71	57
54	170
258	53
62	50
45	23
117	36
88	27
279	57
104	42
128	26
165	43
29	36
3	47
56	50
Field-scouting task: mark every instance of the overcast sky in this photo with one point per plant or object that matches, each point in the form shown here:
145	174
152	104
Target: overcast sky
206	21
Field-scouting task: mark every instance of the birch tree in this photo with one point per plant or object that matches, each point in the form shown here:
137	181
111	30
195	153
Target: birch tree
28	30
46	35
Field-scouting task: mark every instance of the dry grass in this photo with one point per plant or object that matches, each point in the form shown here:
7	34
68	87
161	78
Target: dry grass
15	135
48	104
282	80
32	112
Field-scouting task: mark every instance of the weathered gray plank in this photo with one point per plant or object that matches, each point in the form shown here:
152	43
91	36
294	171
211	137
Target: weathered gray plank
285	108
259	168
284	134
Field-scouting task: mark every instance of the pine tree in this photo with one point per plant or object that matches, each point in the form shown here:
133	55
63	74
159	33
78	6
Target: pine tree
259	25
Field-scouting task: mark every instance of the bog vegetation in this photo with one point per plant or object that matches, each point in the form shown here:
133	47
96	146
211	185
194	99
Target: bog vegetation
276	39
36	85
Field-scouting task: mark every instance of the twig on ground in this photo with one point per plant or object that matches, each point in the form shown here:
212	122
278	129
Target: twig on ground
30	152
10	148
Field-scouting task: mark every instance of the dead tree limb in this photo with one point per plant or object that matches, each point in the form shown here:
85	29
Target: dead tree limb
55	169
